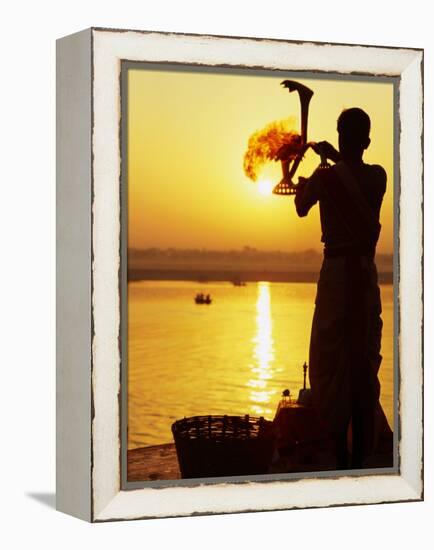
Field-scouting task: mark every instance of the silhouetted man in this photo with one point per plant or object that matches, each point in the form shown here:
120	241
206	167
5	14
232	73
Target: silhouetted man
346	328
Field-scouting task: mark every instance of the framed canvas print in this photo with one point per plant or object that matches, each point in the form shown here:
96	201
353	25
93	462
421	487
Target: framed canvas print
239	274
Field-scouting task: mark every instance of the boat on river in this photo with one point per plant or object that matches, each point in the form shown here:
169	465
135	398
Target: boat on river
203	299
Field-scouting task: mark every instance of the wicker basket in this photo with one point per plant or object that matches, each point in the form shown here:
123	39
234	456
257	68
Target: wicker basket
210	446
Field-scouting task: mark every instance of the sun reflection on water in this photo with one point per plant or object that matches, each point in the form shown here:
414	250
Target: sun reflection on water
263	353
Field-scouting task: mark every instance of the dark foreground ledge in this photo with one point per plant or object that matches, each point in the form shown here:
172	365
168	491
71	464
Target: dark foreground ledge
160	462
152	463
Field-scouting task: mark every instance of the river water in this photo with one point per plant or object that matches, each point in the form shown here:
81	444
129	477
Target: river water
234	356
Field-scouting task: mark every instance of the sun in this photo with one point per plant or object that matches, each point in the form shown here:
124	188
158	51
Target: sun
265	187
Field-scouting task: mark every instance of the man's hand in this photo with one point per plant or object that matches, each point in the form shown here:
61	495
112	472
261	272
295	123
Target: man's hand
326	149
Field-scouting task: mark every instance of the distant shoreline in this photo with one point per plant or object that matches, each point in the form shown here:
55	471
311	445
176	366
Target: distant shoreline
212	275
248	265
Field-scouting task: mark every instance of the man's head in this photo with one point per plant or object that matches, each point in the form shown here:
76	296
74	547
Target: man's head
354	126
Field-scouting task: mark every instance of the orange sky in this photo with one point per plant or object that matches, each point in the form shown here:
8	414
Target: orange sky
187	134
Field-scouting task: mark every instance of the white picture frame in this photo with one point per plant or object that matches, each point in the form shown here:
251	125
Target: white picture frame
89	158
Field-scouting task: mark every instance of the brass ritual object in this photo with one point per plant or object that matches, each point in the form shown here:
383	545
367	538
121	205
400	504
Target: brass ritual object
287	185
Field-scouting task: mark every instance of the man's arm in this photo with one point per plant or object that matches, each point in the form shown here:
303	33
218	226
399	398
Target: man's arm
381	178
326	151
307	194
308	191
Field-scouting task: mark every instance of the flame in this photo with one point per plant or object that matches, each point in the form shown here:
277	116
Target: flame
277	140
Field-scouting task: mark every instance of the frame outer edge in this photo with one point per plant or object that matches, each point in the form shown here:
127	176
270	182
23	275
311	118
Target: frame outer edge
73	275
411	272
